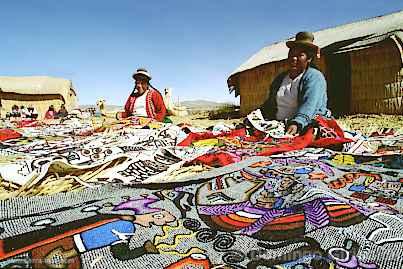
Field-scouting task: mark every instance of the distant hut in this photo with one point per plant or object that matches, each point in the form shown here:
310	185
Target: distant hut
362	62
38	91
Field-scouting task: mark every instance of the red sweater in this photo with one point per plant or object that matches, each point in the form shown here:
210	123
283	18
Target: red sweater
155	106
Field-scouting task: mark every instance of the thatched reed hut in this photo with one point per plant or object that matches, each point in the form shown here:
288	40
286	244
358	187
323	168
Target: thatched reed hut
38	91
362	63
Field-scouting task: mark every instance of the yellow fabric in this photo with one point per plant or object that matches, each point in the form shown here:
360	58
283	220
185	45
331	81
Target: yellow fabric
206	142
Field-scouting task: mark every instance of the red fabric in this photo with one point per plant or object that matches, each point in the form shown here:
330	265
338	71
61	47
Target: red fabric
286	145
329	134
257	136
27	123
332	126
192	137
331	123
155	106
6	134
217	159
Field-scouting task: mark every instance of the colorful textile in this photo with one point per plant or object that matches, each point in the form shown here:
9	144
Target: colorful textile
145	151
192	137
326	133
311	208
63	149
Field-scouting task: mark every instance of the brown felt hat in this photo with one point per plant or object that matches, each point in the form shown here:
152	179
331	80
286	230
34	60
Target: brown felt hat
141	73
304	39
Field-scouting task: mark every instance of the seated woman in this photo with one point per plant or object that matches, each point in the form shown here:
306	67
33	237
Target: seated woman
15	111
50	114
144	101
33	112
62	112
24	112
299	94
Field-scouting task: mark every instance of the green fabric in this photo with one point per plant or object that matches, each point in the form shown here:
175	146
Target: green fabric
167	120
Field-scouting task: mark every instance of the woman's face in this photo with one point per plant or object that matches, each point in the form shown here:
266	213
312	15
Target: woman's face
141	86
298	60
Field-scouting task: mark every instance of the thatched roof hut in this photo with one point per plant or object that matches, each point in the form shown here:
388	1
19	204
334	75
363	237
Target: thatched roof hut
362	62
39	91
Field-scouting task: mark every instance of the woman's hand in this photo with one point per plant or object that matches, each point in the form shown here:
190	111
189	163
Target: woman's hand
292	129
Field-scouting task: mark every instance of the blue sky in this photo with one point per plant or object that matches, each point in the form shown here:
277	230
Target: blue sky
190	46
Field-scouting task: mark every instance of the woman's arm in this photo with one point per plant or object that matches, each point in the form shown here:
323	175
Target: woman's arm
313	91
159	106
128	106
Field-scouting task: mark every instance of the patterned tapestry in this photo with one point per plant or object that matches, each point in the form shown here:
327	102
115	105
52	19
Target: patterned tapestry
300	207
313	210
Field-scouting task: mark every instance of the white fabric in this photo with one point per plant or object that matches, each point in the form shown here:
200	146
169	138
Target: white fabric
287	98
272	128
79	243
140	105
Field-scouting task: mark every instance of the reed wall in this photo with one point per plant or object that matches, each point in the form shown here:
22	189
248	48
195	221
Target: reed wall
376	82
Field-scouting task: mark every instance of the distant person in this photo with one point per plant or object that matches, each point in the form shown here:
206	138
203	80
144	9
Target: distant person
24	112
15	111
145	100
62	112
33	113
299	94
50	114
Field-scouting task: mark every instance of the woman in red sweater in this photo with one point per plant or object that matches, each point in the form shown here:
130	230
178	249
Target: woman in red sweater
145	101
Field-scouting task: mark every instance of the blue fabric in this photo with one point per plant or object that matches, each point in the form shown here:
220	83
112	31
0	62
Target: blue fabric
312	98
103	236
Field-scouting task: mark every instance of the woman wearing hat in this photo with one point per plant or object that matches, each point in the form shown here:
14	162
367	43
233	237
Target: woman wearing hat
299	94
144	101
